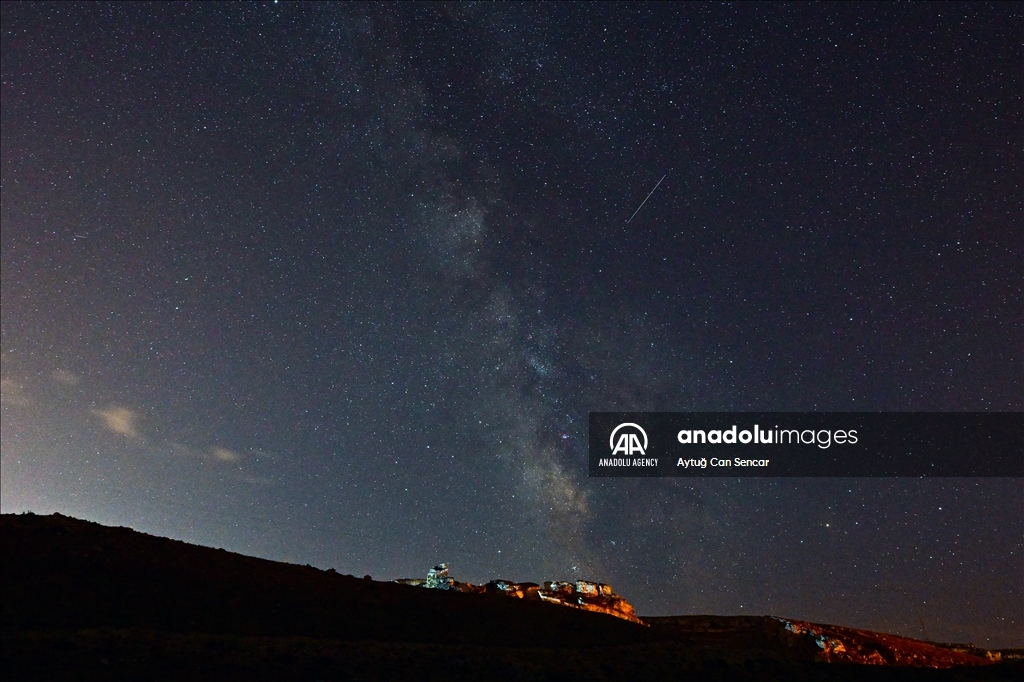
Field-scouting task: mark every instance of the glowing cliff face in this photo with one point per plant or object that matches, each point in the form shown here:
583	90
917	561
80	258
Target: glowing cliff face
579	594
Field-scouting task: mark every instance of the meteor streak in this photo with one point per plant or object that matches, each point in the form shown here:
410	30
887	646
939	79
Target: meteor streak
645	200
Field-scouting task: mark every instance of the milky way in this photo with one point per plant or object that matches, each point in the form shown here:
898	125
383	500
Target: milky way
340	284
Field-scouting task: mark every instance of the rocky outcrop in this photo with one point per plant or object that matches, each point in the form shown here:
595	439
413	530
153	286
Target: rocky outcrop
589	596
438	578
579	594
837	644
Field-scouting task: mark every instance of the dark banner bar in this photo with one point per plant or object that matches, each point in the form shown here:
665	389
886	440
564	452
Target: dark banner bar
917	444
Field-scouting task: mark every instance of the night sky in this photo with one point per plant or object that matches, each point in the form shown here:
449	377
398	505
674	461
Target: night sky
339	284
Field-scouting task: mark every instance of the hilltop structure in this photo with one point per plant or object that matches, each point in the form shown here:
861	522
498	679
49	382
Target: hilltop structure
577	594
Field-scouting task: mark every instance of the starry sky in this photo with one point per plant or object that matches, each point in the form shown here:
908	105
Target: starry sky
338	284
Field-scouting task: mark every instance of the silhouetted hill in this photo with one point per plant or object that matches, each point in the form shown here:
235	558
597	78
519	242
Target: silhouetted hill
62	572
85	601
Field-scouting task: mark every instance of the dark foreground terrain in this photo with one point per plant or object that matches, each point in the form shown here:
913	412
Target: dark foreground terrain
87	602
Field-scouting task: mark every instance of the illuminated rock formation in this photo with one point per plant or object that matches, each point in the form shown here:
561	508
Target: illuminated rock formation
438	578
579	594
589	596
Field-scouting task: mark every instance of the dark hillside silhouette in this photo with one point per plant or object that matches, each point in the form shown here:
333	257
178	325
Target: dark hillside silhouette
85	601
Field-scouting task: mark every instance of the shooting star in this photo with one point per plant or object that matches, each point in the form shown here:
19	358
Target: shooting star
645	200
